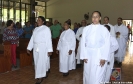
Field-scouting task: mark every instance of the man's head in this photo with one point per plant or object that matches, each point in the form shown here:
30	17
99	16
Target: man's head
55	22
75	25
83	23
106	20
119	21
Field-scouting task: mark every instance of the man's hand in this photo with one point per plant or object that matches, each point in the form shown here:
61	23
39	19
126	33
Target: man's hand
18	45
80	35
118	33
28	51
70	52
85	60
102	62
49	53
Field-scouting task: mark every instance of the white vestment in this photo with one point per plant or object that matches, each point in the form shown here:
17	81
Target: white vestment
122	41
79	32
112	30
113	47
95	45
66	42
41	43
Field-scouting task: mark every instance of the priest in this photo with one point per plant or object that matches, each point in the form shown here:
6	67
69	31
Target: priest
122	37
78	37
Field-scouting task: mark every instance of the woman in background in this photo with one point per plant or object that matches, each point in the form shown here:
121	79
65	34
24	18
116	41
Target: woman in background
20	31
10	34
66	49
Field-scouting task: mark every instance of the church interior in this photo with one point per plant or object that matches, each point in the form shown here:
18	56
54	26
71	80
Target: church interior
23	11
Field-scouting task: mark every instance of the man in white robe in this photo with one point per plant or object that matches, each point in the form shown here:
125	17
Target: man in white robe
122	38
113	47
41	44
112	30
78	37
95	47
66	43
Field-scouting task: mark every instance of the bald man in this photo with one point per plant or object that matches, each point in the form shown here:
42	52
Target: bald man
56	29
106	22
78	37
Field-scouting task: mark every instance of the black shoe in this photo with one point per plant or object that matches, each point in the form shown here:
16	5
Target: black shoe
120	64
49	71
15	66
115	62
78	65
65	74
39	81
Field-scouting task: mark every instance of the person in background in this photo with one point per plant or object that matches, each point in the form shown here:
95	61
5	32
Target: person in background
78	37
1	31
19	29
56	29
95	50
79	25
122	37
112	30
35	24
28	30
66	50
10	34
114	46
48	24
41	43
75	27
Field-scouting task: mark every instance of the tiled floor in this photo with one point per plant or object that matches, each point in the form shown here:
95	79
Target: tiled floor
26	75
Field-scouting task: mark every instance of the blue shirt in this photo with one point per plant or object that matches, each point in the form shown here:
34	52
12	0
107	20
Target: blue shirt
75	30
28	32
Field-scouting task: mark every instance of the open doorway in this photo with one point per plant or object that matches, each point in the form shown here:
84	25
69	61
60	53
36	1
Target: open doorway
129	24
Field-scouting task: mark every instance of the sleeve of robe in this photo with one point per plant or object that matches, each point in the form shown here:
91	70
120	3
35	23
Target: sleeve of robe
105	49
73	40
124	33
49	41
77	35
114	44
30	45
113	31
83	54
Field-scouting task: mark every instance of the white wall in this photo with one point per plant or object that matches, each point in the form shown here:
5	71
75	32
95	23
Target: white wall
75	9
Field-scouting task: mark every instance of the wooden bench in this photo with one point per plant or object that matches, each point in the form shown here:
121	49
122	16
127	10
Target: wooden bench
5	58
25	59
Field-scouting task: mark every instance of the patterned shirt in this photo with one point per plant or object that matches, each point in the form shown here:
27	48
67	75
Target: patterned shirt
10	35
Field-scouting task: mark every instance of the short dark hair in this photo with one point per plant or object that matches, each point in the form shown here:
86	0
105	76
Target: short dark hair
106	17
9	22
68	23
120	18
43	19
108	27
97	12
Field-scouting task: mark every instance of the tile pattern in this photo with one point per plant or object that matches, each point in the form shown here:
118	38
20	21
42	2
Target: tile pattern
26	75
